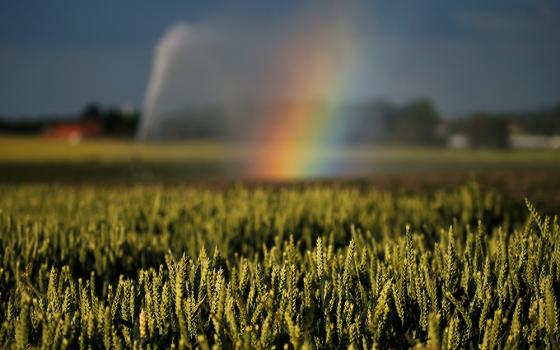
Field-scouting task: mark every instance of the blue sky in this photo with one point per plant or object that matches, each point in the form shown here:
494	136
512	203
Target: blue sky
56	56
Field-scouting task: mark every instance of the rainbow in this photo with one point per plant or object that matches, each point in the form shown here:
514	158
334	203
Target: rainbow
298	135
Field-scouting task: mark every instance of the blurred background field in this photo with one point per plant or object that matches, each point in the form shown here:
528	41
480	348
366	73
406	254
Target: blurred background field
518	173
349	93
43	150
20	153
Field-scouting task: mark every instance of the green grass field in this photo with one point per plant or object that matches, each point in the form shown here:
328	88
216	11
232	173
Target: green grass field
28	149
118	161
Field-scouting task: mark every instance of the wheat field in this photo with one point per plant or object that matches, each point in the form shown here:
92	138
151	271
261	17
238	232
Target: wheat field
152	267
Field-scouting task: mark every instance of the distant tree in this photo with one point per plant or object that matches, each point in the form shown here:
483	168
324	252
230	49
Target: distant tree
487	130
196	123
92	111
415	124
119	123
367	123
544	121
382	122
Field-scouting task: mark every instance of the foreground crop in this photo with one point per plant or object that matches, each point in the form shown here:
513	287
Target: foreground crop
316	267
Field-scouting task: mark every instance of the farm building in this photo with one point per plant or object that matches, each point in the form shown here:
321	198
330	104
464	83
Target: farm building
75	131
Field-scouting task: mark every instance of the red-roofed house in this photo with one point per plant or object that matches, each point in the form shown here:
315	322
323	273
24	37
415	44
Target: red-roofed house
75	131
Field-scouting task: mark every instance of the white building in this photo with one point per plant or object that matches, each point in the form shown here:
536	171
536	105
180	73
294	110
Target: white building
534	141
458	141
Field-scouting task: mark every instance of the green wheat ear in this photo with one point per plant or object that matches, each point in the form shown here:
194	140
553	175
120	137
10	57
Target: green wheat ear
23	325
319	258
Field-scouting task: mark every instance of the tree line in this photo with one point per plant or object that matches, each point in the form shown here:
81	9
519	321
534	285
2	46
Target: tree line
376	122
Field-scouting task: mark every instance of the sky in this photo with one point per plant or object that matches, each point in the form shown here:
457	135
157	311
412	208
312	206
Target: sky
57	56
